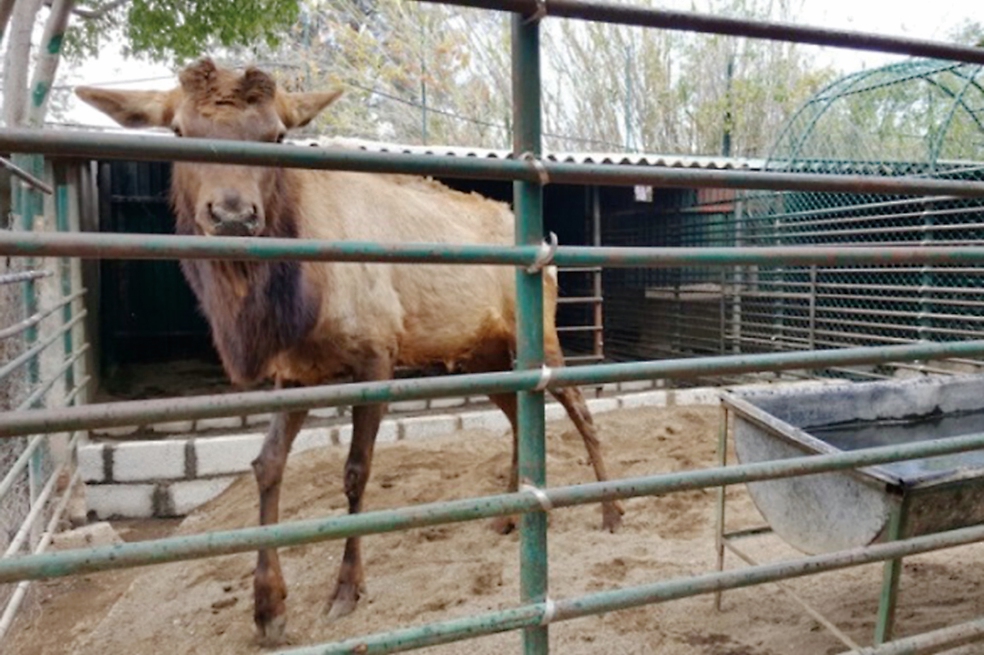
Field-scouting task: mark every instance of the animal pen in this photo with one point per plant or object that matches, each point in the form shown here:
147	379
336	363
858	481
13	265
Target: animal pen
530	172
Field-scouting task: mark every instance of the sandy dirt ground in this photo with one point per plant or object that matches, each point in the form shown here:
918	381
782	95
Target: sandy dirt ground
205	607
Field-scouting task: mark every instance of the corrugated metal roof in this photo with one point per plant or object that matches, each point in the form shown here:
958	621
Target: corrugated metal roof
613	158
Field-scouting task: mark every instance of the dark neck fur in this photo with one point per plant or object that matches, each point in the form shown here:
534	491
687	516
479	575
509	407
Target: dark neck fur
278	309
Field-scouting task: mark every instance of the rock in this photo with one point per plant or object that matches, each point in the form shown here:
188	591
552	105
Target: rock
95	534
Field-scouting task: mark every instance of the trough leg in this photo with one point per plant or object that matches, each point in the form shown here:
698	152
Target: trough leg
269	589
890	576
365	426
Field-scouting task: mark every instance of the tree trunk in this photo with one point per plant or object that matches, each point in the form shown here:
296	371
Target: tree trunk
48	58
16	64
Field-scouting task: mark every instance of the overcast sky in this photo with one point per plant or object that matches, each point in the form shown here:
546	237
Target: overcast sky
913	18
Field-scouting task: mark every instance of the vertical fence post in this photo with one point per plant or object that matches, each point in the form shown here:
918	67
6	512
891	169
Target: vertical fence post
528	197
63	206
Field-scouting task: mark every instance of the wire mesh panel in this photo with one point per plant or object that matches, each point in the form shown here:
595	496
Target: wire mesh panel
921	118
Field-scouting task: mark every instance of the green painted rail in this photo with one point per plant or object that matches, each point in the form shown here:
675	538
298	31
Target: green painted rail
101	415
529	174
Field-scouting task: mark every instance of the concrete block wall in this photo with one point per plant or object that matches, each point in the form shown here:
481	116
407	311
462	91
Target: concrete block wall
172	476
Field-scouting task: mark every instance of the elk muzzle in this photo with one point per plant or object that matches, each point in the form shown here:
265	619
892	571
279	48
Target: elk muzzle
231	216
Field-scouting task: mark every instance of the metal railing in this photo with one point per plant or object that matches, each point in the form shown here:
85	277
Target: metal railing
537	609
41	356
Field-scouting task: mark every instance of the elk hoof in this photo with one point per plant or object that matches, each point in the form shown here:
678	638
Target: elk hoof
505	524
611	516
344	601
272	632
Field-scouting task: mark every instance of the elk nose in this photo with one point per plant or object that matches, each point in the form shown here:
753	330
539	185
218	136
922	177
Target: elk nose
233	217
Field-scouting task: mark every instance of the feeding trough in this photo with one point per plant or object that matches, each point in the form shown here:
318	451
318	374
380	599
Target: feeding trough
845	509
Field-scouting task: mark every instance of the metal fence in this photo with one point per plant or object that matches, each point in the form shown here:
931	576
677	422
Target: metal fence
536	609
42	366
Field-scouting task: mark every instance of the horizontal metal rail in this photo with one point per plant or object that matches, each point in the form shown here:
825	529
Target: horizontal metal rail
641	16
36	349
935	641
160	148
34	319
579	328
627	598
40	392
26	177
22	276
161	246
7	618
87	417
170	549
22	460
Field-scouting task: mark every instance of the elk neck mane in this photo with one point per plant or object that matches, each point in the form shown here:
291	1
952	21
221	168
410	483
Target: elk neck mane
256	309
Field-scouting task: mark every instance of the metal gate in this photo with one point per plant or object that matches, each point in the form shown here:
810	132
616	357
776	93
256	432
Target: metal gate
537	609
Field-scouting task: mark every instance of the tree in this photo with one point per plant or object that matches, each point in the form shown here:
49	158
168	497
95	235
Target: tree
162	30
433	74
415	72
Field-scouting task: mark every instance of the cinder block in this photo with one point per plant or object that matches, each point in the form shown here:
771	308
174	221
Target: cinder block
446	403
309	438
173	427
389	430
225	455
700	396
492	420
635	385
90	459
220	423
131	501
407	406
421	427
258	419
553	412
325	412
120	431
644	399
602	405
188	495
342	434
149	460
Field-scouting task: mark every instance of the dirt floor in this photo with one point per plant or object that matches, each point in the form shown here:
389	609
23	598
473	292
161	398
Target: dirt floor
205	607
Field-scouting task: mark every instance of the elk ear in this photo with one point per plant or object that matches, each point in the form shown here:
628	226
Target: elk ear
133	108
299	109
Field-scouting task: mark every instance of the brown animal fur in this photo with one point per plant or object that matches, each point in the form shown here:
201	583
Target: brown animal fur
310	323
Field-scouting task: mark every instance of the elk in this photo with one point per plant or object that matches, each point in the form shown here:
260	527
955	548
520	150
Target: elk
311	323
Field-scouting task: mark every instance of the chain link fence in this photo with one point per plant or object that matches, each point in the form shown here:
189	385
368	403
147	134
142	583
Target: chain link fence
918	118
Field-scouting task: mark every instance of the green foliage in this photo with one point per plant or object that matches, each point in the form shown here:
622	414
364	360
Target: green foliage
180	30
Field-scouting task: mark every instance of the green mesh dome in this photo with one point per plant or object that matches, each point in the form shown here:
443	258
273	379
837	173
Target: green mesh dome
922	116
917	118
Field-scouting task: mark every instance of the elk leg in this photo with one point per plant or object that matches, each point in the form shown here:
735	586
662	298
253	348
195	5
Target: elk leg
507	403
577	409
269	589
365	425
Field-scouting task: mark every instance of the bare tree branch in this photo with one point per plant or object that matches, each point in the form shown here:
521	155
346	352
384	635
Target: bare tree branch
6	8
94	14
90	14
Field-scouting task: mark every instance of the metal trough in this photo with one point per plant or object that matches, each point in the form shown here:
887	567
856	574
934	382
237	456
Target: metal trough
833	511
